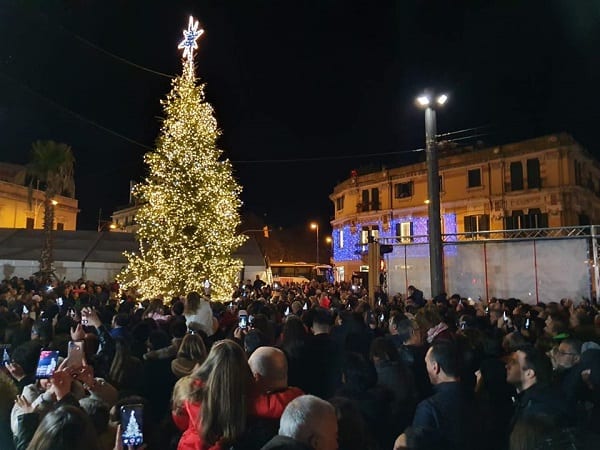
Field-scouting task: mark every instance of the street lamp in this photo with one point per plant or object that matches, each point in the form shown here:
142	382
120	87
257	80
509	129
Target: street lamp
329	241
429	102
315	226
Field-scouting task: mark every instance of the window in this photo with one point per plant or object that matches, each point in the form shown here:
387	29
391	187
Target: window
521	221
584	219
404	232
533	174
474	176
375	232
374	199
475	223
578	177
369	200
339	203
60	226
368	232
403	190
364	235
516	176
341	240
536	219
364	205
29	223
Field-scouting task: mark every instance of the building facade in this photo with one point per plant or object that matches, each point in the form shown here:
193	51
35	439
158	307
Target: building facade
16	210
550	181
123	219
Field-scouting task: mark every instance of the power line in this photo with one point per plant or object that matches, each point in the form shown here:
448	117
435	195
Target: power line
325	158
98	48
451	133
74	114
112	55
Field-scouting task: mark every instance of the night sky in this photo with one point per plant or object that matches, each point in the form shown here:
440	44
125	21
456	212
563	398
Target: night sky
304	91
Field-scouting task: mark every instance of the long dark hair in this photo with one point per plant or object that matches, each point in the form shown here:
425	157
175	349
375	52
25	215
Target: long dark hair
65	427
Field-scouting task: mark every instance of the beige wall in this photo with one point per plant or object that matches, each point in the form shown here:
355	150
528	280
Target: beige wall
15	208
559	196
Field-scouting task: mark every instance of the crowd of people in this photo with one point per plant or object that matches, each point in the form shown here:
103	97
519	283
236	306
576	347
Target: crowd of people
312	366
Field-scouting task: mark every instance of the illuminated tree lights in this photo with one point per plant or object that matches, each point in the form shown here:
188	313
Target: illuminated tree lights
190	199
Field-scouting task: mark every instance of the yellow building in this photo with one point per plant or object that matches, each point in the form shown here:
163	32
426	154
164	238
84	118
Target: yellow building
15	210
550	181
123	219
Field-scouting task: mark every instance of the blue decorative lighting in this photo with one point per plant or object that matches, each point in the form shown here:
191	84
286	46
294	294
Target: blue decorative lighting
190	36
352	248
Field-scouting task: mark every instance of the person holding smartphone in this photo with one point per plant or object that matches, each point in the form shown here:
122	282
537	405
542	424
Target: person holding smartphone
59	389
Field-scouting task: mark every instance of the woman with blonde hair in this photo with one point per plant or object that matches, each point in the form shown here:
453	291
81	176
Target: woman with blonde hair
213	413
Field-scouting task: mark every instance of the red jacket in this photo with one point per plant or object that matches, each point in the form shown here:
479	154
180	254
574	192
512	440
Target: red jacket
271	406
267	406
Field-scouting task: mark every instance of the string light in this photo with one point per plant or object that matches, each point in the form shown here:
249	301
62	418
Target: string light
190	199
352	249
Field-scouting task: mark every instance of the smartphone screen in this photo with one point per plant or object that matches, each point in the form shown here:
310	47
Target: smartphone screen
5	355
287	311
47	364
243	322
527	323
59	301
132	423
75	355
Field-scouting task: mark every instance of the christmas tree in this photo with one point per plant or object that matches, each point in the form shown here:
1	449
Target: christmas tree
132	433
190	199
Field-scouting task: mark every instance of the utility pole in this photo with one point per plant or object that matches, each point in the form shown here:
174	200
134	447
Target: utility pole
436	265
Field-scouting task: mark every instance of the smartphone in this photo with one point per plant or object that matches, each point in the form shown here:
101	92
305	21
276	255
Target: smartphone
504	316
75	355
47	364
25	310
305	307
287	311
382	317
527	323
243	320
59	301
5	354
132	422
371	317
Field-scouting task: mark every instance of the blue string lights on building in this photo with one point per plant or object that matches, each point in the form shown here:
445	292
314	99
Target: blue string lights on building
347	245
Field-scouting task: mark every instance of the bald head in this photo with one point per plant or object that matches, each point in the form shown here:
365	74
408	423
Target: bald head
269	366
310	420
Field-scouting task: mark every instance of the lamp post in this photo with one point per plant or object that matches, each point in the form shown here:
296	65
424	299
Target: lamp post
436	268
315	226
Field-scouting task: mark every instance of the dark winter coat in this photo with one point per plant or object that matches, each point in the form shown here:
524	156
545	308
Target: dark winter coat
285	443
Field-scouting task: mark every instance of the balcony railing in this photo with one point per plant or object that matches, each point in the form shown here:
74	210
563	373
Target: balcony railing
369	206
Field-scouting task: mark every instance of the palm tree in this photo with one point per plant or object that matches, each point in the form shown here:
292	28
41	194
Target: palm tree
51	168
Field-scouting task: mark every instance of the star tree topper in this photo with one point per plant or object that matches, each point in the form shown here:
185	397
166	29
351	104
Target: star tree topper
189	44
